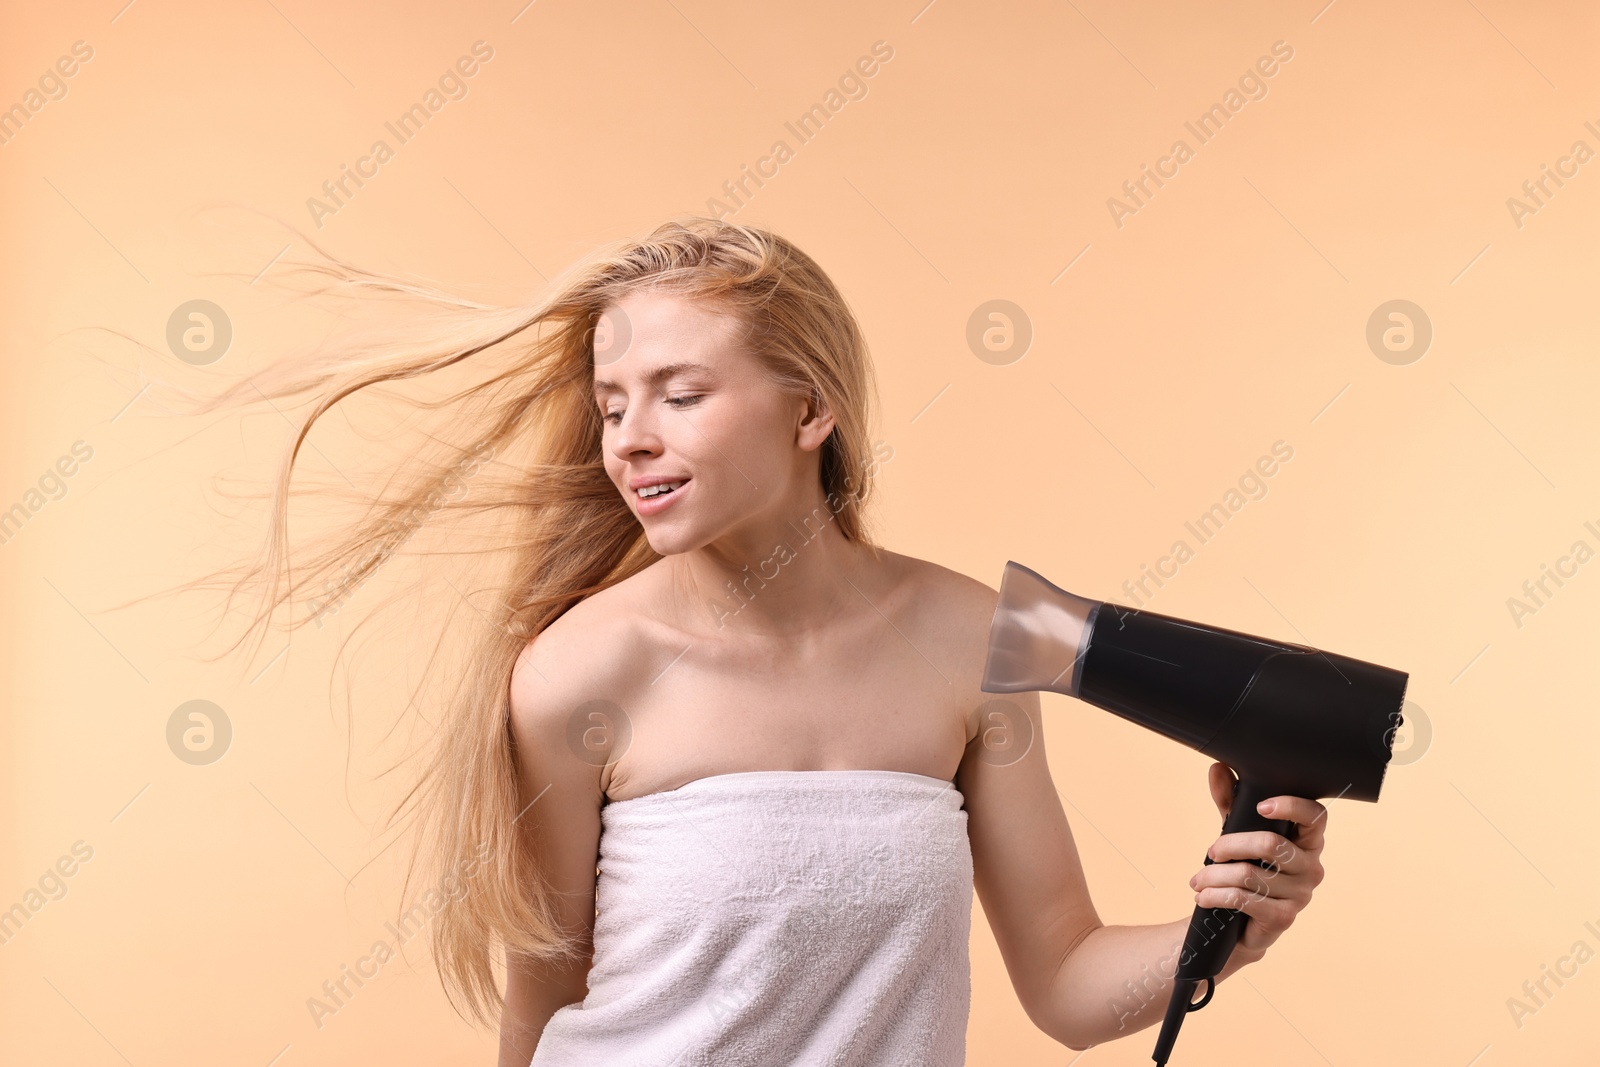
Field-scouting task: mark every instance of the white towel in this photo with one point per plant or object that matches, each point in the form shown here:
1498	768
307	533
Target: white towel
778	917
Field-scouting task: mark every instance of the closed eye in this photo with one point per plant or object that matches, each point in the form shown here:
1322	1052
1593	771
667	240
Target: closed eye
679	402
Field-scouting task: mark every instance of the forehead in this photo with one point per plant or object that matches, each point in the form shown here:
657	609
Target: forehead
648	331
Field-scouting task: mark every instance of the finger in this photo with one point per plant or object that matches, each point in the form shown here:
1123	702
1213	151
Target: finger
1233	897
1263	845
1310	817
1229	893
1268	920
1246	876
1222	782
1274	913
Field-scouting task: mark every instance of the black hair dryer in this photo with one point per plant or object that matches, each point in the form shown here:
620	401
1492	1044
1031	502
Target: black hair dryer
1288	719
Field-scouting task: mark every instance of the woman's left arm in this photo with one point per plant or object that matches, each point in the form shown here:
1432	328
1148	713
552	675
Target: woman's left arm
1080	981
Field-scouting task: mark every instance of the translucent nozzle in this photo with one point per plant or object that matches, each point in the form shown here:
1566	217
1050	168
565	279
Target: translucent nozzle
1038	637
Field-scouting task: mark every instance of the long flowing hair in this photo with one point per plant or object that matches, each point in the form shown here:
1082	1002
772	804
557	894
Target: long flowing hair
509	487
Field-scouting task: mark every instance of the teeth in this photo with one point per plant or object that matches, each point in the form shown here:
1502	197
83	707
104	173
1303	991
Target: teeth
656	490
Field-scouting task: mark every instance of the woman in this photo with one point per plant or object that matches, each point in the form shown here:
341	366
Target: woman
727	758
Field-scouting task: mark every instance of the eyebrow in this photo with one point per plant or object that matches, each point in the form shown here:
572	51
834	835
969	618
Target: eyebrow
653	377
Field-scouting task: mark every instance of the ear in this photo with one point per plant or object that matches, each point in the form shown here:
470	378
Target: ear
816	422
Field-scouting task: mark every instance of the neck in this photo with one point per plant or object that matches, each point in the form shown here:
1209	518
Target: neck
793	578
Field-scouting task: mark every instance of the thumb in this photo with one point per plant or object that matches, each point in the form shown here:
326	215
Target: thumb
1223	783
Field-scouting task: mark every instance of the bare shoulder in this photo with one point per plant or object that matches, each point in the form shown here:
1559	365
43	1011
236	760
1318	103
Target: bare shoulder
951	602
951	614
586	661
563	683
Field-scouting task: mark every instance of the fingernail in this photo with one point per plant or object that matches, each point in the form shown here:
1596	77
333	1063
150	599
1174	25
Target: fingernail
1265	807
1193	880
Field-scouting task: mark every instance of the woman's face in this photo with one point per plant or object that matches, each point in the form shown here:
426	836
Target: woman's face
686	403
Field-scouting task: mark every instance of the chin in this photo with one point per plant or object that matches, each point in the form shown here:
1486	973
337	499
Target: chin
669	544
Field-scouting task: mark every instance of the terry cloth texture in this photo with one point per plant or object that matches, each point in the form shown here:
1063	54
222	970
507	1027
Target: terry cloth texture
778	918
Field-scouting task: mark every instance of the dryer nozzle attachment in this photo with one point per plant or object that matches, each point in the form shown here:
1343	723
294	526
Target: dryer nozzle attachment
1038	636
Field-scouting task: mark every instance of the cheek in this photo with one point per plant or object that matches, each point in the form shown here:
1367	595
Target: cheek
740	445
615	469
747	425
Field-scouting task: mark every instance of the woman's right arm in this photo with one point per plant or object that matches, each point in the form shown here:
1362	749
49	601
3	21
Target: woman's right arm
560	801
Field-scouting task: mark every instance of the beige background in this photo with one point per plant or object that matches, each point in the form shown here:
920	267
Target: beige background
1227	314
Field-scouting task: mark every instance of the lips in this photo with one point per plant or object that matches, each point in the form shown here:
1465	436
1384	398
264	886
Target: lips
655	479
656	493
650	492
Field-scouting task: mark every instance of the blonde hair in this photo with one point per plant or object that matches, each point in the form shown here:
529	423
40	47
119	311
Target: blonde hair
518	448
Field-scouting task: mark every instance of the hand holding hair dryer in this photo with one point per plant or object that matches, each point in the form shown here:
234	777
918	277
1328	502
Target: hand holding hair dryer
1289	720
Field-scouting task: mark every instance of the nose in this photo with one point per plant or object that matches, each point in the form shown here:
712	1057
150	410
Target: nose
635	433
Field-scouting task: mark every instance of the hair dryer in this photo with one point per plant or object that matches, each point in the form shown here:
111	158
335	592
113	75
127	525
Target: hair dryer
1288	719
